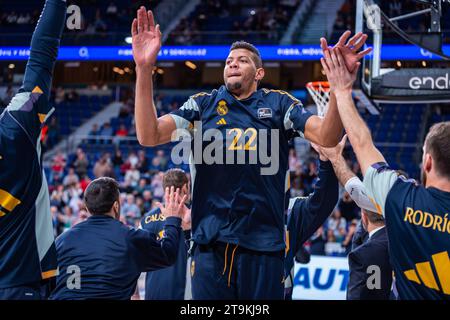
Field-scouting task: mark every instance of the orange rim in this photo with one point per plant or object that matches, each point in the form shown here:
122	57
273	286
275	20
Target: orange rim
319	85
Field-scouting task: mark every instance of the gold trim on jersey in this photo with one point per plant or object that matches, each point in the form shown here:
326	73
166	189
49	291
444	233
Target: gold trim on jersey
8	201
282	92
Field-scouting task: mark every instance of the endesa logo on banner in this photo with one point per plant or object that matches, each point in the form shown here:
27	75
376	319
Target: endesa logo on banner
323	278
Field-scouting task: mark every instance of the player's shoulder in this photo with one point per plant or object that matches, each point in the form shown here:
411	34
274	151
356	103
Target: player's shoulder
280	95
203	96
152	217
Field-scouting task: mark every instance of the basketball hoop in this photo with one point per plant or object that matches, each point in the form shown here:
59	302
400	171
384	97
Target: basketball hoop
320	92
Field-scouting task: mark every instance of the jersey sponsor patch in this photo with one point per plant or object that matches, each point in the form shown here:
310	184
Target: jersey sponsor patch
264	113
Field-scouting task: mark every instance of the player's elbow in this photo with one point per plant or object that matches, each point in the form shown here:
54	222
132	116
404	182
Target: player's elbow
146	140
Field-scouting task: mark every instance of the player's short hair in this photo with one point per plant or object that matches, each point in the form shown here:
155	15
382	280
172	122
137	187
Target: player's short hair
374	218
176	178
437	143
100	195
256	56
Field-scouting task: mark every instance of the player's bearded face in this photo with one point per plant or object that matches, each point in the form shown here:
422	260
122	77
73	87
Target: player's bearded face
240	71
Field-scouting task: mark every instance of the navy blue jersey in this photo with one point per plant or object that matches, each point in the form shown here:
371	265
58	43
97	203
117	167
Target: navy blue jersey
109	257
418	231
168	283
27	247
307	214
241	202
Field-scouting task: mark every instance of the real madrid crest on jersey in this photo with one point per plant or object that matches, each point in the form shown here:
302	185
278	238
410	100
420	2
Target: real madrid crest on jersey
222	108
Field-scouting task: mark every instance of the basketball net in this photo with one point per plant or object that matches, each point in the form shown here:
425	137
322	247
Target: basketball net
320	92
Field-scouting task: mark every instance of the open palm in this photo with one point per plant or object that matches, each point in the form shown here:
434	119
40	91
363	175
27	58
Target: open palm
146	37
350	49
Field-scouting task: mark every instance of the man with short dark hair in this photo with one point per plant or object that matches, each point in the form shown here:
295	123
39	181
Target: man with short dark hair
416	215
169	283
101	258
373	252
237	211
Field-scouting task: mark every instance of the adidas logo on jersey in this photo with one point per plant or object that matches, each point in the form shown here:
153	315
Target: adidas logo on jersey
423	273
221	122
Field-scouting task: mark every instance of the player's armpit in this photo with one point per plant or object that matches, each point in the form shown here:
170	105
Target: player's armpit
166	125
378	181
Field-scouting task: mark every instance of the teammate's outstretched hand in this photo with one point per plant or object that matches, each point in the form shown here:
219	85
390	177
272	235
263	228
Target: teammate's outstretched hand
174	203
349	49
146	37
331	154
339	77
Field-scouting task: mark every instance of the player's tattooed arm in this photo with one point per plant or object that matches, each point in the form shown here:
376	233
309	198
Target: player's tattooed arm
146	44
341	79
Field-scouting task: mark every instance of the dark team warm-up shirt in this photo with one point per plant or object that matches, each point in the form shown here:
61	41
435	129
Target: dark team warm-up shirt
168	283
109	257
307	214
418	231
236	203
27	249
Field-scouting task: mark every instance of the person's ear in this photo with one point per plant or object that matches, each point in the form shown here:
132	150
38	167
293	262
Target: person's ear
260	73
428	163
184	189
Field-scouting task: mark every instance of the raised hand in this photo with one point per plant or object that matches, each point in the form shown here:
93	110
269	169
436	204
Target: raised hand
174	203
350	49
339	77
331	153
146	37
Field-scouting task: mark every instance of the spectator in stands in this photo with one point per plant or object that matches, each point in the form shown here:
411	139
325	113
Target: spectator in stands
336	227
148	200
72	96
157	186
130	207
93	133
317	243
59	95
58	165
348	208
122	131
56	220
348	241
67	218
132	177
56	198
112	10
53	132
142	164
81	163
83	215
85	180
142	187
117	160
71	178
103	167
107	130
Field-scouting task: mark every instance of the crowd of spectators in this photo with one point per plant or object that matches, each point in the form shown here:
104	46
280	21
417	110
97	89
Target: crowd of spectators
105	21
216	22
